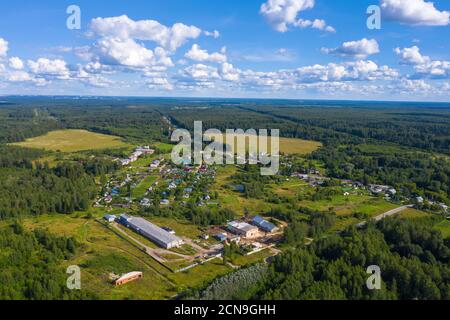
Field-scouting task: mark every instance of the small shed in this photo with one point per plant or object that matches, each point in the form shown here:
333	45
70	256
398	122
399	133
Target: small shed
110	218
221	237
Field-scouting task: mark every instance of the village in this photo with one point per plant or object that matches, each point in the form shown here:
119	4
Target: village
156	182
148	180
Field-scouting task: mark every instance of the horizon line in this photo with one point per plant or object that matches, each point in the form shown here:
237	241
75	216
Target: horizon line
216	98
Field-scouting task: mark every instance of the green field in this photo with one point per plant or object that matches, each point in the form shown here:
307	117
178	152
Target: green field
298	146
414	214
142	188
444	227
287	145
164	147
73	141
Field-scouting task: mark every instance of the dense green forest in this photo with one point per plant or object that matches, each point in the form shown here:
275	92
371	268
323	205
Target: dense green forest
30	265
29	189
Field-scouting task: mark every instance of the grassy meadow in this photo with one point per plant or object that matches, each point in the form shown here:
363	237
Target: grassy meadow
73	141
104	253
287	145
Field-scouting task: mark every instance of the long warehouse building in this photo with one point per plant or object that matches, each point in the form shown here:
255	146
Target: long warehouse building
152	232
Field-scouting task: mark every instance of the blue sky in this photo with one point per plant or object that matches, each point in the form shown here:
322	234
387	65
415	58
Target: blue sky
254	48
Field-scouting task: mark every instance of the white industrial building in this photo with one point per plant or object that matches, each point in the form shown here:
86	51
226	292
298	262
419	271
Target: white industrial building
152	232
243	229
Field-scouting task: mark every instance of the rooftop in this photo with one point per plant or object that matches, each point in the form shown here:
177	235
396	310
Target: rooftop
242	226
266	225
153	230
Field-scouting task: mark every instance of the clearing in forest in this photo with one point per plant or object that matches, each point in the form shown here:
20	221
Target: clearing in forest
73	141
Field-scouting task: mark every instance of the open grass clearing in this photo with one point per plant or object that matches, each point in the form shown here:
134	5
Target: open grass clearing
444	227
142	188
73	141
287	145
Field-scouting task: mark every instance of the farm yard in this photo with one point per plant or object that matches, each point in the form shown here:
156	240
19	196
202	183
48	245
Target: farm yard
105	253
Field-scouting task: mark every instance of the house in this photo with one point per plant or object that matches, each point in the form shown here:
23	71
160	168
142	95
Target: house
145	202
205	236
132	276
257	245
164	202
172	186
264	224
375	188
420	200
235	239
155	164
392	192
108	199
135	155
125	162
110	218
221	237
243	229
358	184
145	150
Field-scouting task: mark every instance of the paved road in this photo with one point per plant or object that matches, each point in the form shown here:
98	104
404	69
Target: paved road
386	214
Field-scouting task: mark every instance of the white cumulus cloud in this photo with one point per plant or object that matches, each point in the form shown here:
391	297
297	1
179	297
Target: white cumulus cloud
424	66
16	63
355	49
124	28
215	34
284	13
414	12
47	68
411	56
198	54
3	47
318	24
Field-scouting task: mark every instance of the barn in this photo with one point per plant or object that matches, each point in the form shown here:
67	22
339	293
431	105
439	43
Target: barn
152	232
